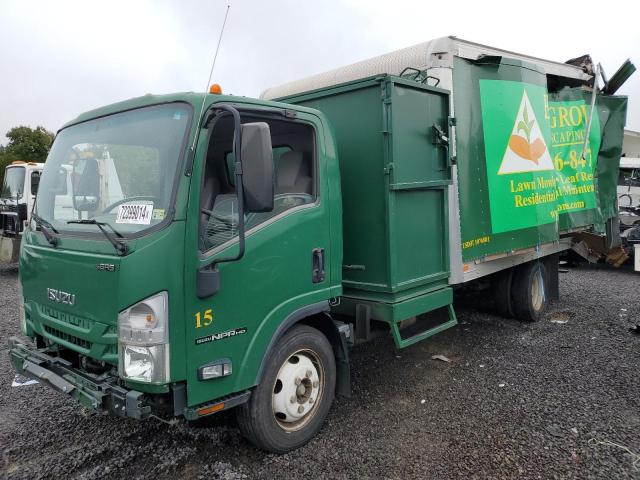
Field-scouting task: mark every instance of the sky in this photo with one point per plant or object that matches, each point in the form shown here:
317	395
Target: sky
61	58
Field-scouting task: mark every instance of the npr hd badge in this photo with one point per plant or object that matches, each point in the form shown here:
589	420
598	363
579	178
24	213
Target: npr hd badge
221	336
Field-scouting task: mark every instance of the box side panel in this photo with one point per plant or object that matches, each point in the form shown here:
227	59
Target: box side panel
420	254
522	178
478	238
357	118
418	186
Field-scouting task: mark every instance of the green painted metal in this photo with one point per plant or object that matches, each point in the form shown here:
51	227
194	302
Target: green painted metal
406	307
271	282
381	217
397	311
407	342
395	177
394	183
478	238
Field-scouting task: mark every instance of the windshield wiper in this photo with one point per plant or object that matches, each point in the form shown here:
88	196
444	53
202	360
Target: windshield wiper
44	228
119	245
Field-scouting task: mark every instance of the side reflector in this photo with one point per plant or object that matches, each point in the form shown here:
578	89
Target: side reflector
214	408
216	369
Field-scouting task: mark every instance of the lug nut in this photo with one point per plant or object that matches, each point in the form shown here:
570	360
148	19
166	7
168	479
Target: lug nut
298	381
310	401
309	372
315	384
300	409
293	399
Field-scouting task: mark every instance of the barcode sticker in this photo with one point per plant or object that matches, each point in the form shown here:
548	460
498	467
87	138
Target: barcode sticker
135	213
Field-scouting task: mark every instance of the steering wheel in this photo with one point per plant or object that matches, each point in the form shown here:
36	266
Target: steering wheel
305	197
629	197
129	199
221	218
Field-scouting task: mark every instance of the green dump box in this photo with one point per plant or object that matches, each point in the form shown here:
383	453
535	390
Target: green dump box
459	161
395	173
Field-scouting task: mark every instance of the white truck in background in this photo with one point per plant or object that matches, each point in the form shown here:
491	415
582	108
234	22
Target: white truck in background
19	191
17	196
629	195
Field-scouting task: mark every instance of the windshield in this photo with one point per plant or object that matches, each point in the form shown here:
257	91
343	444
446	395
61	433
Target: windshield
118	169
13	184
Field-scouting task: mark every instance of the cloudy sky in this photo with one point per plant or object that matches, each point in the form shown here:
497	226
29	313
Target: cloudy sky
60	58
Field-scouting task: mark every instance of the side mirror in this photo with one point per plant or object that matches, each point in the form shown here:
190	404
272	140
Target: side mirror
257	167
35	182
86	190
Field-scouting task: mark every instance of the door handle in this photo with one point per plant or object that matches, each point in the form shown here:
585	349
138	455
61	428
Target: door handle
317	265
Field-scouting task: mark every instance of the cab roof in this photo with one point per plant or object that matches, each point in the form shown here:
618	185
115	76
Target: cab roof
193	98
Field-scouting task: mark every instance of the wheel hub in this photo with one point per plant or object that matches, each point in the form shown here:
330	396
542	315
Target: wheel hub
296	390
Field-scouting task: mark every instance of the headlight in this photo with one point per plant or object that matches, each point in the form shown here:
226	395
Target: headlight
144	363
143	337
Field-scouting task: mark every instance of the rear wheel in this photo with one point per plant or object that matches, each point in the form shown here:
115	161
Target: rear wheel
295	394
529	291
501	289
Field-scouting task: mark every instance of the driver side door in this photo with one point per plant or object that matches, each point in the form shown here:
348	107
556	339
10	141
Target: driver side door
276	276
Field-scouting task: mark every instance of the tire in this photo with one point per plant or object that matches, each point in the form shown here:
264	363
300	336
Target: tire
501	289
529	291
294	396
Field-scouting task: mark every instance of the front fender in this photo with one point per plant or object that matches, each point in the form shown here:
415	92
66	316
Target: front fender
271	329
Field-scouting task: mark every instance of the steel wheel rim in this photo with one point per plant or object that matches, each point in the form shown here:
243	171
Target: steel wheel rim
298	390
537	291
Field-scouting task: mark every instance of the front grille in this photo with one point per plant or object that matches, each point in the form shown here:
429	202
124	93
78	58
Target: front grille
94	338
67	338
68	318
10	207
11	224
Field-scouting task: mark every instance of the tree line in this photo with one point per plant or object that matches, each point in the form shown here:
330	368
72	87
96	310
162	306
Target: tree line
26	144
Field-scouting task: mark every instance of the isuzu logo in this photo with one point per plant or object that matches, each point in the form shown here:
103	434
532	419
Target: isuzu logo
60	296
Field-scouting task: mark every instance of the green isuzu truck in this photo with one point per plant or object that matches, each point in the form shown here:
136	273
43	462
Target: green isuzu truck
220	251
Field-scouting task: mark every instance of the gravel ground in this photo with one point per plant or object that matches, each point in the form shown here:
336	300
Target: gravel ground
517	400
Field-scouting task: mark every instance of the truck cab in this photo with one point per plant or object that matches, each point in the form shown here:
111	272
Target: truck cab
191	258
17	197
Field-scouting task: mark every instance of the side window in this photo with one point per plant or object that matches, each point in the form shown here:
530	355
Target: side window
231	160
294	172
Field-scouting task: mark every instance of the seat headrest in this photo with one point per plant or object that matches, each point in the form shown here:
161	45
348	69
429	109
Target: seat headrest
293	172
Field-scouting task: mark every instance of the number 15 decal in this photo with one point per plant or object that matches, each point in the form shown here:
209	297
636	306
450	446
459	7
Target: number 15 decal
204	319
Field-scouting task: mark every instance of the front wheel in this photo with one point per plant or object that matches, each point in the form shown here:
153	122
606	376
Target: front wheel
295	393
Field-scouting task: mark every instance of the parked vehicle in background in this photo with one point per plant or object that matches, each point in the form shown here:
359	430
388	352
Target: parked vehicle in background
17	196
629	195
224	251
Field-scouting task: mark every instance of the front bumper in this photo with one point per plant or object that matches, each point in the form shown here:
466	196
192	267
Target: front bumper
101	394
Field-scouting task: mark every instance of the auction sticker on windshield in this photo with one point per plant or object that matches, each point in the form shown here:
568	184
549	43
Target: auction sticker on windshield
135	213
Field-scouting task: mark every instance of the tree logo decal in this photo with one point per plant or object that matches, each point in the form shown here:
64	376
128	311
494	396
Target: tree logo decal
526	151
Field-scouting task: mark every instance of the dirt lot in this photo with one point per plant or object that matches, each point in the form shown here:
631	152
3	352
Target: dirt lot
555	399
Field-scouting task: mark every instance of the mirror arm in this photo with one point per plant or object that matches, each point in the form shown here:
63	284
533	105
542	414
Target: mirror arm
208	277
237	152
